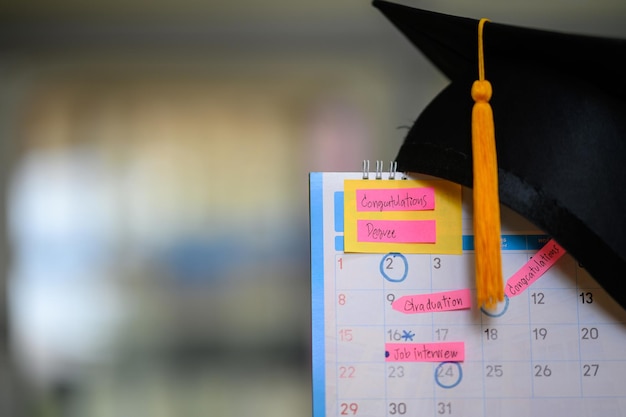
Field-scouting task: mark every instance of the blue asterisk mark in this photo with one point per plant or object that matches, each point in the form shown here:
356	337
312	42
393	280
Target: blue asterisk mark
407	335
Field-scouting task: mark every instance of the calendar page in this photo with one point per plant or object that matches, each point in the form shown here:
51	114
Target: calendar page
399	334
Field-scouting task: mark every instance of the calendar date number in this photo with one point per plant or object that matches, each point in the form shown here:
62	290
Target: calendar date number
349	409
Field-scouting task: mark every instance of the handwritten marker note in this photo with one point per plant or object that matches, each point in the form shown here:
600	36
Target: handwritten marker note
425	352
393	199
431	303
534	268
397	231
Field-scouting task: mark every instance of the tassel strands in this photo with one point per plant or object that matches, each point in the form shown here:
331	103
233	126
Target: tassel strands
487	241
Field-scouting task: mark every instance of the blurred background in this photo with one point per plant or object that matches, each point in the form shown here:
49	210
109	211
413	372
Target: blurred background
154	246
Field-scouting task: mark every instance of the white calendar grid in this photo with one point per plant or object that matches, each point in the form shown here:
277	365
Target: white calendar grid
556	349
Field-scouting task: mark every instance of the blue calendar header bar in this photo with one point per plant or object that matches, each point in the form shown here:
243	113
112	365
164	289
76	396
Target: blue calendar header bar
513	242
509	242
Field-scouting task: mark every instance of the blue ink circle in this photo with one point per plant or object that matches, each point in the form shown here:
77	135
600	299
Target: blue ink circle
386	354
457	382
382	267
506	307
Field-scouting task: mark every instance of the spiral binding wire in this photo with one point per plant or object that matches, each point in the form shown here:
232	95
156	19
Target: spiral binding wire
393	166
366	169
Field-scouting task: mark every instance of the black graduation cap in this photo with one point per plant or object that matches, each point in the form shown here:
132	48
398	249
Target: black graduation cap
559	108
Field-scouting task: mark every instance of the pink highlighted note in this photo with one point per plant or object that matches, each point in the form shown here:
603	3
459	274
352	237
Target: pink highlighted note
397	231
534	269
425	352
430	303
395	199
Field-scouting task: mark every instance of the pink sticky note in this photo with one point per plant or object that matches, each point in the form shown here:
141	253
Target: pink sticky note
534	268
397	231
430	303
395	199
425	352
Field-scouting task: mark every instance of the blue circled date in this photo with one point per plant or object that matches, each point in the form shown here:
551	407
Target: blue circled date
448	374
499	312
394	267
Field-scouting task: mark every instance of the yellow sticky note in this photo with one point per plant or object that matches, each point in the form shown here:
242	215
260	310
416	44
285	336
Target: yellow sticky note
407	216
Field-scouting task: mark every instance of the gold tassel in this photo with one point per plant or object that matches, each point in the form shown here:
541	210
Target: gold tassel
487	244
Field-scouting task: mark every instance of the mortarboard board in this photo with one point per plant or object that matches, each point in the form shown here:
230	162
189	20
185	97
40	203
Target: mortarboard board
559	107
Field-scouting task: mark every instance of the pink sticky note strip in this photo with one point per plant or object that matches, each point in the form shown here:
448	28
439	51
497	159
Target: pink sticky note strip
395	199
397	231
425	352
534	268
431	303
